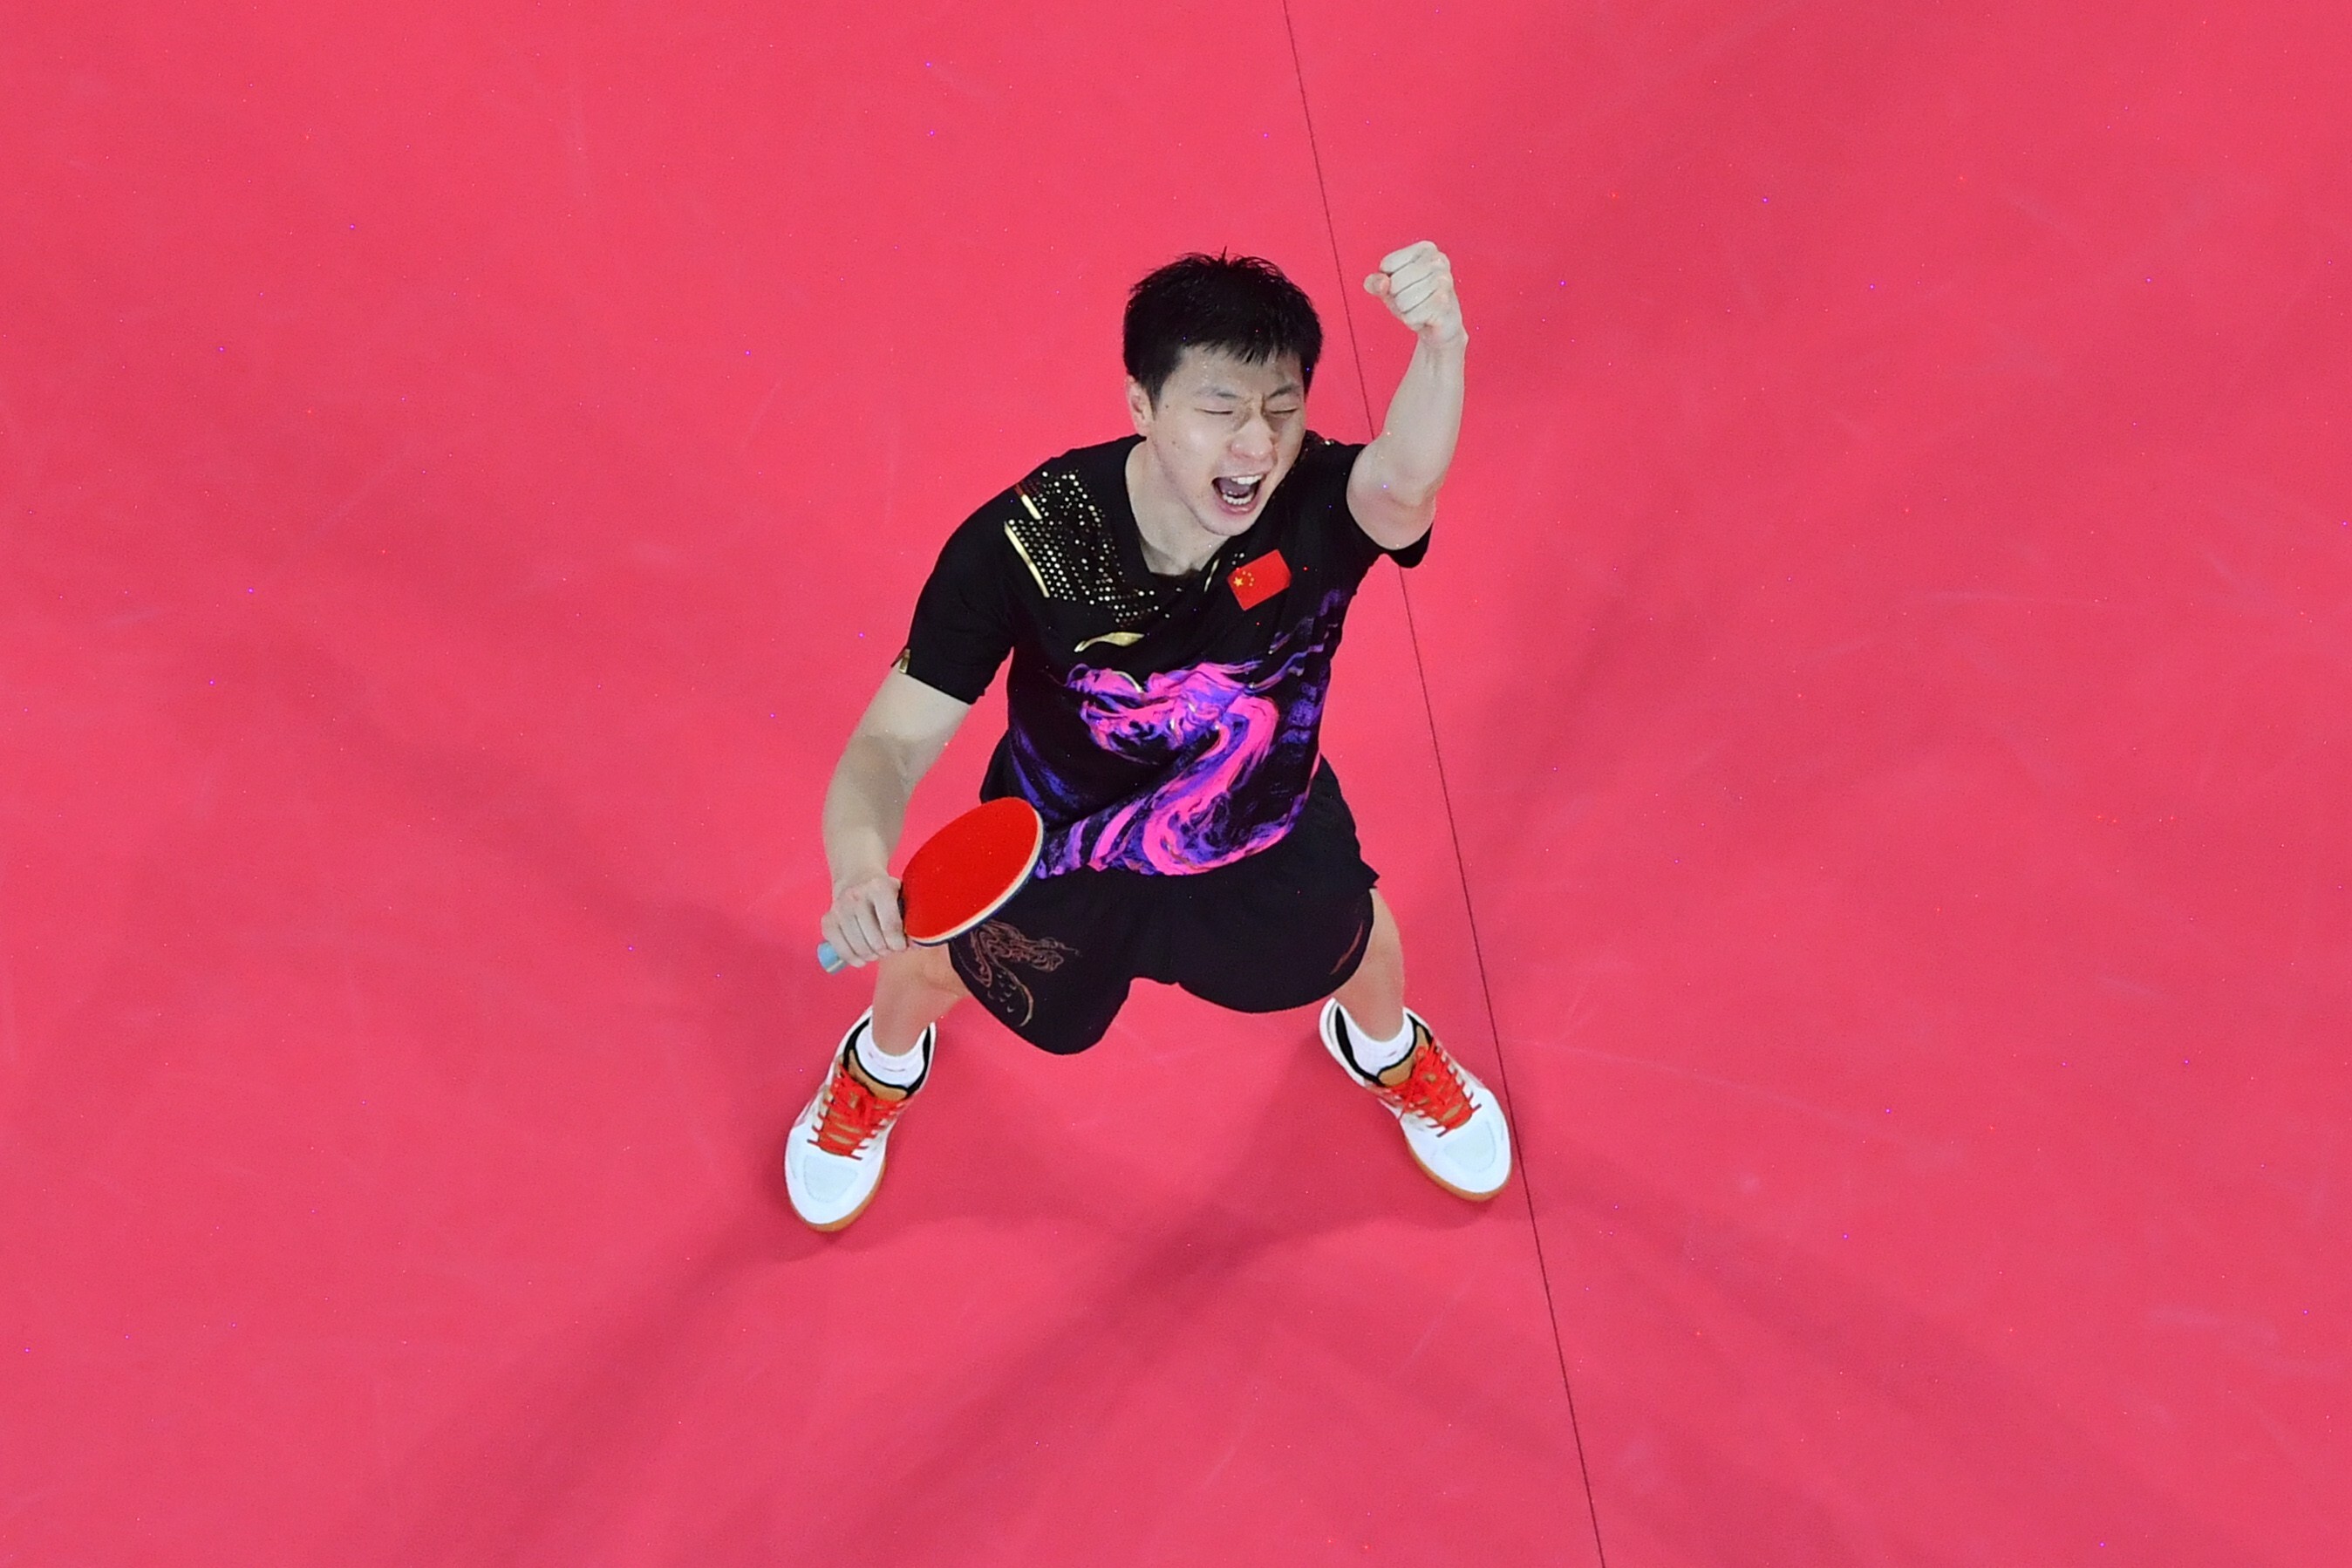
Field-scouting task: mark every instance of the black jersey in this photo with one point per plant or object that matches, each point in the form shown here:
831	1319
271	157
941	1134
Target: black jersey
1166	725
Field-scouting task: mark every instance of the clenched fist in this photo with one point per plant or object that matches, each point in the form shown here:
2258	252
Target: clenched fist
1417	282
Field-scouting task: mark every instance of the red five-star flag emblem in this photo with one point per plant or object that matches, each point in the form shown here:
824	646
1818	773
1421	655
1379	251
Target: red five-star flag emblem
1256	582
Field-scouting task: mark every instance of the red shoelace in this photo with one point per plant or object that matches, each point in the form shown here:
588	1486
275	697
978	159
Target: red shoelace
1432	1090
854	1114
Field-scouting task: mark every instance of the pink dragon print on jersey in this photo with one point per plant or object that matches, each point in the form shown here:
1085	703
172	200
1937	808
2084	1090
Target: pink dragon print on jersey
1216	726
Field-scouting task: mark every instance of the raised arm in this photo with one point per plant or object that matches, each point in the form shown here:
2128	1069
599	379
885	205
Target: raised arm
1392	489
905	729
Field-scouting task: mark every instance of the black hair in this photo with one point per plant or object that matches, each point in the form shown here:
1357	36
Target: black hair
1241	305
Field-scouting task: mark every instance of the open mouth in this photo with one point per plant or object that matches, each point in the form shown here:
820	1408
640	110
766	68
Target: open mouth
1238	493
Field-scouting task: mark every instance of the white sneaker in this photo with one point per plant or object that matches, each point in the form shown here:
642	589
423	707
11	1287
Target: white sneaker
833	1156
1453	1123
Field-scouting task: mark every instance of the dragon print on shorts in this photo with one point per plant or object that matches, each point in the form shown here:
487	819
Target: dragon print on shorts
994	950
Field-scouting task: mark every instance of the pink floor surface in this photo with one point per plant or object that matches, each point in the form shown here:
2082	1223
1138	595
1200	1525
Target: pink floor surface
1862	770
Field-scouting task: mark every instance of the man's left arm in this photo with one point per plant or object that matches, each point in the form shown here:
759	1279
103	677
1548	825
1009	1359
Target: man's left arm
1393	489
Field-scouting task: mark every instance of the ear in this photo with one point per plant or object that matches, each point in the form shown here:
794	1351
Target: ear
1138	407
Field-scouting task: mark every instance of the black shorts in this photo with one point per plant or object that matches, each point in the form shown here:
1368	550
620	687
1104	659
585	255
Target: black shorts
1282	927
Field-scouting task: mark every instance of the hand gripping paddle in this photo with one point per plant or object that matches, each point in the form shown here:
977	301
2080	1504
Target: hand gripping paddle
963	874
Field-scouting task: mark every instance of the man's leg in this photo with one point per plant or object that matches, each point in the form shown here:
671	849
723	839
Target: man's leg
1453	1126
1374	995
912	991
833	1156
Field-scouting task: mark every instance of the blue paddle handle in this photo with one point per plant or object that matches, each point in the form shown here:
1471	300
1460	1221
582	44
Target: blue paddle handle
829	961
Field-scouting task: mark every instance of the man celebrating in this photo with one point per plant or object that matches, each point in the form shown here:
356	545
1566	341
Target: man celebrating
1170	603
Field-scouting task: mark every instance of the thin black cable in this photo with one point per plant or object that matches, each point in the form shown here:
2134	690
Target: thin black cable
1445	794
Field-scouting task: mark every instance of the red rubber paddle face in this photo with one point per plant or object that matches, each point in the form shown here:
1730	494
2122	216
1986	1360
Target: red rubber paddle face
965	871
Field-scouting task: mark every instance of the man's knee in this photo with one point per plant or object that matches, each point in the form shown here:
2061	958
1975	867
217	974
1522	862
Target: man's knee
924	967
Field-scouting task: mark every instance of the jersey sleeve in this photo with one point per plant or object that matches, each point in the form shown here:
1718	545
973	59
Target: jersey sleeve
1325	466
964	621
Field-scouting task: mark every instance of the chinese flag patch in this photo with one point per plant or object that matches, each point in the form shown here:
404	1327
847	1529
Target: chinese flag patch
1256	582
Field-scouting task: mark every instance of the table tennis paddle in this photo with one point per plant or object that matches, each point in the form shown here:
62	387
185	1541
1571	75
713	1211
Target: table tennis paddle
963	874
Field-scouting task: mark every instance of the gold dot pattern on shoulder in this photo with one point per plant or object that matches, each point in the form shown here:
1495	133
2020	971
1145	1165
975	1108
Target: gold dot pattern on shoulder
1062	536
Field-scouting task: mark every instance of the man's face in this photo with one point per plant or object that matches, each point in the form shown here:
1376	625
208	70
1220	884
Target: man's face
1224	434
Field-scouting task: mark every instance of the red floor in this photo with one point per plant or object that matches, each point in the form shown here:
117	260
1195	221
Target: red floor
1886	646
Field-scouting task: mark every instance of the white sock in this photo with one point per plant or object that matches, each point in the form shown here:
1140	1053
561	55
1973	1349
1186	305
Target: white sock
1376	1057
902	1071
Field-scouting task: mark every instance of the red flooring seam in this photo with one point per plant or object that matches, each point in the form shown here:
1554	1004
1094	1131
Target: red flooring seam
1345	296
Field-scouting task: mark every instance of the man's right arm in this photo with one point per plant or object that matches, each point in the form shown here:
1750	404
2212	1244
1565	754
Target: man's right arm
905	729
